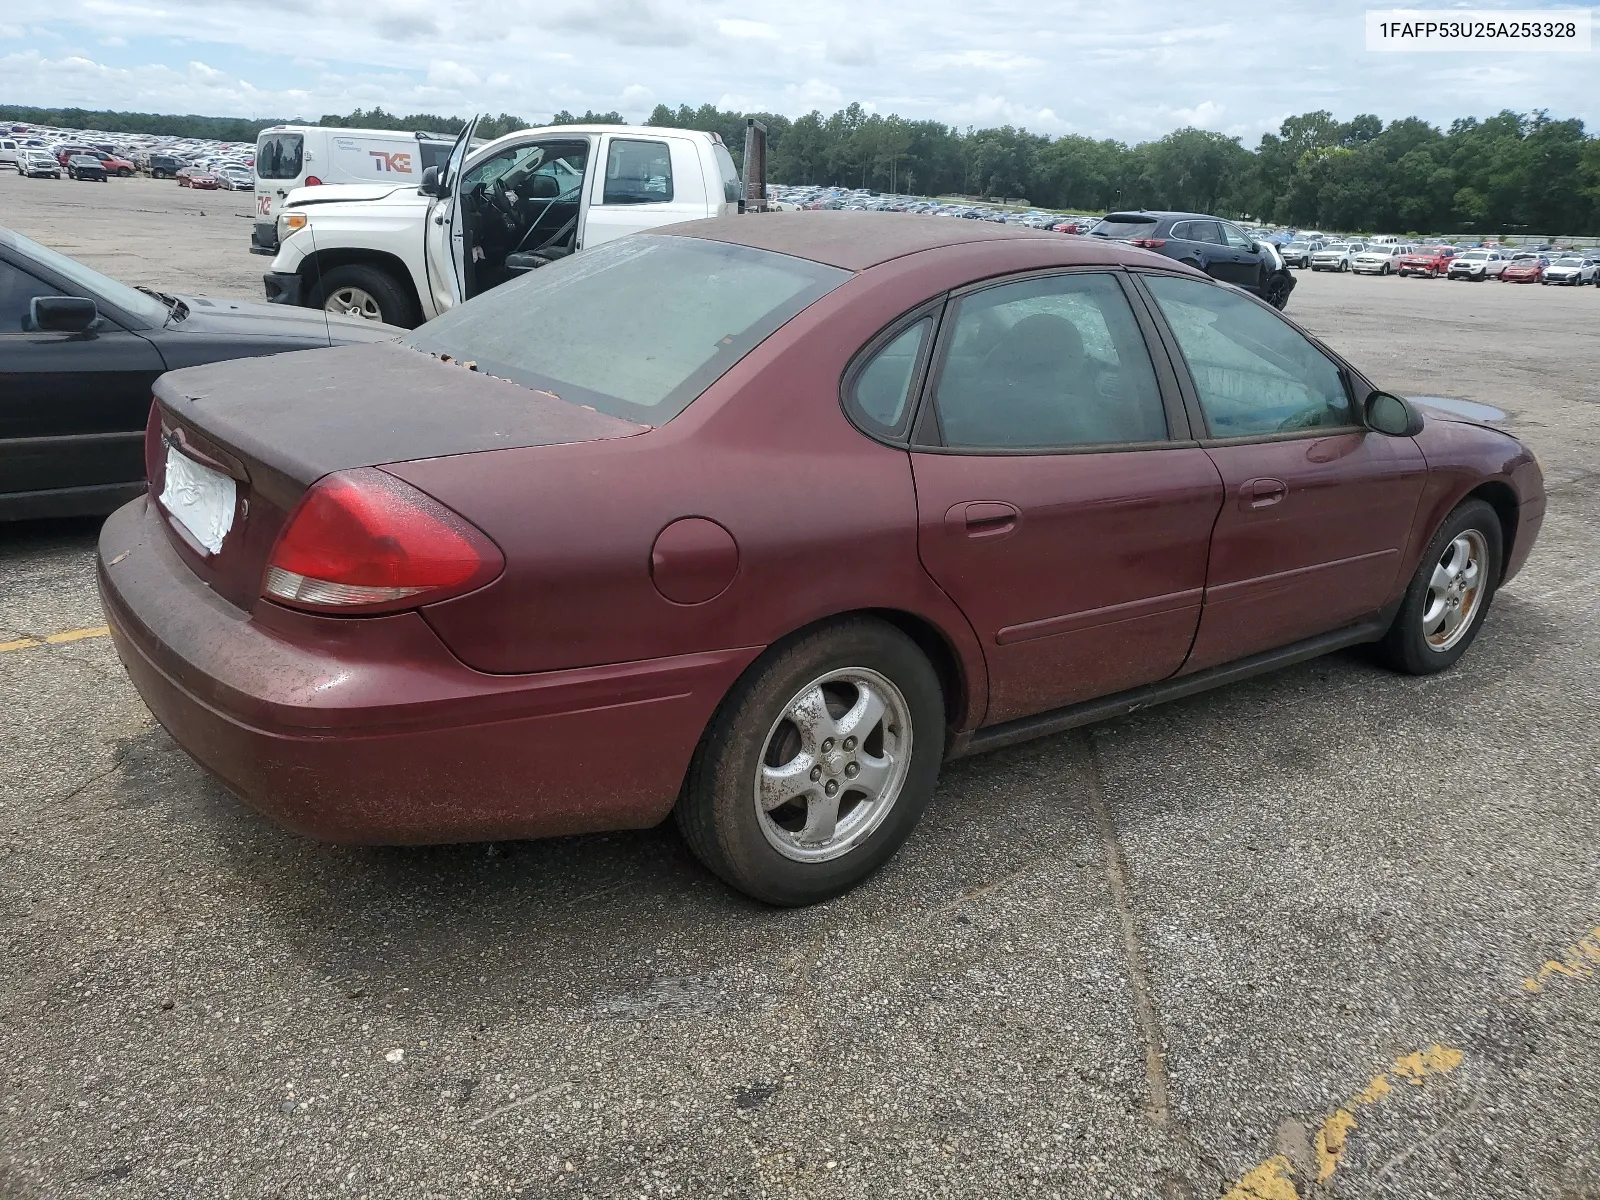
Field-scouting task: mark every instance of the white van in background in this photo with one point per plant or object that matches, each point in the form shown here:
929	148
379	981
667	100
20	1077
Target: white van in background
292	156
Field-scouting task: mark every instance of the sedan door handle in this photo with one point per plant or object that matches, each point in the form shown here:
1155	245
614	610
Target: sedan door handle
1262	493
981	518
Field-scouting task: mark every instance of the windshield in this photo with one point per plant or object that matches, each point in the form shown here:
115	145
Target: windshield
636	328
1475	256
280	156
1337	246
1124	225
92	283
1569	262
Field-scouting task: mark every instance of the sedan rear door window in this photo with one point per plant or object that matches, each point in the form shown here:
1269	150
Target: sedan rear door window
883	387
1254	372
1052	362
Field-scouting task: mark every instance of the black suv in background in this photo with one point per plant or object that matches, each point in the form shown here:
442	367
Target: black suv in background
164	166
1219	248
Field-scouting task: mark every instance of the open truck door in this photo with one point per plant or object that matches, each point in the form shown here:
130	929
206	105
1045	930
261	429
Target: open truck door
444	232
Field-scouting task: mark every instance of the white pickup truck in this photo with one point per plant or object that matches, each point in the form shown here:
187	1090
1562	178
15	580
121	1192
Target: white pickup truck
404	254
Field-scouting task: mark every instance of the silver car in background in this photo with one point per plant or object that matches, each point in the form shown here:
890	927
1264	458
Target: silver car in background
1299	251
1382	259
1573	270
1336	256
1478	265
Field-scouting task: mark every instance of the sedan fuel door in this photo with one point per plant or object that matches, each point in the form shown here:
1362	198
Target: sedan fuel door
1060	502
444	233
1318	508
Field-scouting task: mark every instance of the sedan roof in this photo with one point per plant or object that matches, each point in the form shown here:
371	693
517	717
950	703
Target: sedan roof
856	241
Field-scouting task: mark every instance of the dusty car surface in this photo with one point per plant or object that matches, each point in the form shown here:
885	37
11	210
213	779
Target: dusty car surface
761	519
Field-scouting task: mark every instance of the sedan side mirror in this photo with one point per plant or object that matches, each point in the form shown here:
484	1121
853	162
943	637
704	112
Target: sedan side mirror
430	182
1392	415
62	314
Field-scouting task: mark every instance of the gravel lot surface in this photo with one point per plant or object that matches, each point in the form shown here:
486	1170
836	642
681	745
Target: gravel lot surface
1289	930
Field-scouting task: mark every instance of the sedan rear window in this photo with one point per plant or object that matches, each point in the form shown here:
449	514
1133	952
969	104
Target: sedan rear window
1124	225
636	328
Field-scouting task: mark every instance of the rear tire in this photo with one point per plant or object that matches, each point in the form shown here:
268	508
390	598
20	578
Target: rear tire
365	291
754	814
1448	597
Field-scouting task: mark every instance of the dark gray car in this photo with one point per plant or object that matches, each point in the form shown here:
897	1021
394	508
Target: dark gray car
1219	248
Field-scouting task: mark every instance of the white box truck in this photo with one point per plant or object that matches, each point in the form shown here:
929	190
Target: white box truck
296	156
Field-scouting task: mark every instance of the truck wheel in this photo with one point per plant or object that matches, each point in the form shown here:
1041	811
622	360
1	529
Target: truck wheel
370	293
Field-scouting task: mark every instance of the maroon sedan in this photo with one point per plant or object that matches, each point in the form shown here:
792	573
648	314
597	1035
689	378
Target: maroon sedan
760	520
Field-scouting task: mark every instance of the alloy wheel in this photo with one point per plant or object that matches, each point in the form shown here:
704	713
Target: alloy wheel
1455	590
353	302
833	765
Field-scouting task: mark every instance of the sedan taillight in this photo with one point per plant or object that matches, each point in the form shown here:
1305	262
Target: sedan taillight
364	541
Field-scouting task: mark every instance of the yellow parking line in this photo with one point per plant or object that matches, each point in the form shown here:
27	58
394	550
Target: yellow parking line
77	635
56	639
1578	961
1274	1178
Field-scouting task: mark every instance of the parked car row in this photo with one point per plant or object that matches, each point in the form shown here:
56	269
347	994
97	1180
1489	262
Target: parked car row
1573	269
126	154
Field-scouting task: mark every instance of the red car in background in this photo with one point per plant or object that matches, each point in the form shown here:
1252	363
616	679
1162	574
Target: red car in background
65	152
1525	268
1073	226
1431	261
119	167
767	552
204	181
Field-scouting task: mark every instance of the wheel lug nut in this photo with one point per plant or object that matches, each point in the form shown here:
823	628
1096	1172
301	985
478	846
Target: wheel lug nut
816	774
849	743
852	769
827	745
833	786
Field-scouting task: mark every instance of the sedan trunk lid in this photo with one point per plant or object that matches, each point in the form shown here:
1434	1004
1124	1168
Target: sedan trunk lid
277	425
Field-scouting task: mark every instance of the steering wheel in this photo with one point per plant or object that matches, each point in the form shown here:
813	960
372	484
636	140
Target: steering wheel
501	199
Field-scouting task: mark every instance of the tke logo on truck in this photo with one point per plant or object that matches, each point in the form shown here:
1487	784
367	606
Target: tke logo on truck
383	161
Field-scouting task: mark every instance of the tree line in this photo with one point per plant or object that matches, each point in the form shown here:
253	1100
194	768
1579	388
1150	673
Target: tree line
1508	173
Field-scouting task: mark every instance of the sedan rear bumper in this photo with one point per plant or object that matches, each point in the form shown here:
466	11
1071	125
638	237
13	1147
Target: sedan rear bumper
369	731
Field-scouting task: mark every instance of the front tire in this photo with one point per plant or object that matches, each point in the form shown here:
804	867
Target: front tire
1447	598
818	764
370	293
1276	292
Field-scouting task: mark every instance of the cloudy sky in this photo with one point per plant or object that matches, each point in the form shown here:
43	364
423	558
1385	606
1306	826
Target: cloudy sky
1131	70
